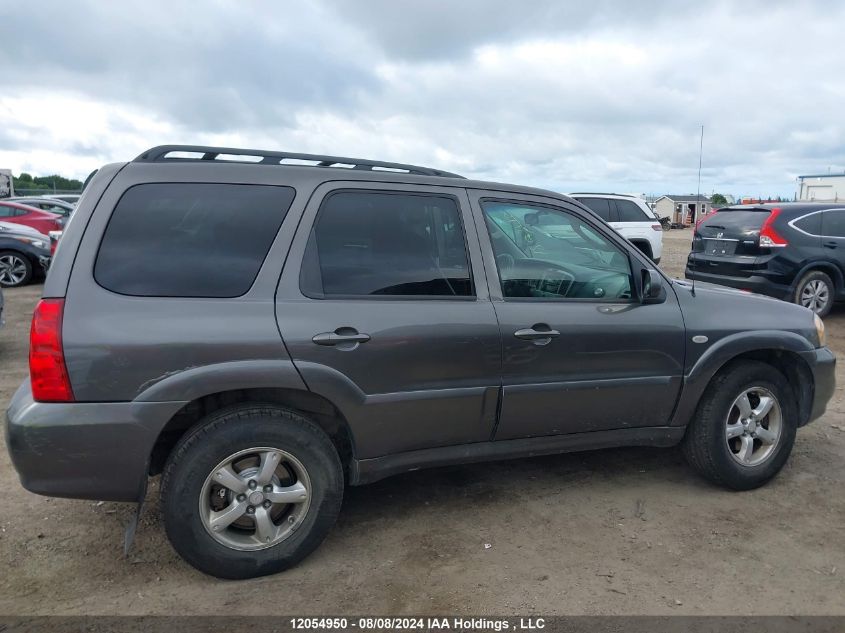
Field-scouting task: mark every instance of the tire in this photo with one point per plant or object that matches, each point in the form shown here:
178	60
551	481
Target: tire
15	269
815	291
193	504
706	445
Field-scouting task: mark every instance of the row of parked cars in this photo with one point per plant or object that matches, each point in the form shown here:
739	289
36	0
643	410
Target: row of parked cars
30	228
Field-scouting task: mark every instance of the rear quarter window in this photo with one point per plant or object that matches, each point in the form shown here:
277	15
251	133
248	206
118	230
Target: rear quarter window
190	239
811	224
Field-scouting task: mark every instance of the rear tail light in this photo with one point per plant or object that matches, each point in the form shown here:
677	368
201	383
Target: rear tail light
47	370
55	236
769	238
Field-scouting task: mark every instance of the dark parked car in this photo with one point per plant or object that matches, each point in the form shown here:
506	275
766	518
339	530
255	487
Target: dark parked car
41	221
264	334
791	251
24	254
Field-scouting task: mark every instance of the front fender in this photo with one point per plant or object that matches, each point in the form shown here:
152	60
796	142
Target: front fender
723	351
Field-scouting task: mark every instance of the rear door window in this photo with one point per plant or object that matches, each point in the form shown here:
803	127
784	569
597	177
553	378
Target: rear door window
833	223
630	212
600	206
190	239
375	243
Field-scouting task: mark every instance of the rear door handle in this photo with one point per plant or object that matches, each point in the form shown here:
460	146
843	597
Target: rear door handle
539	334
830	244
345	336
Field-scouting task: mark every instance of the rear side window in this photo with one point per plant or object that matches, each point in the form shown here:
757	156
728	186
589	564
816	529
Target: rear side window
811	224
599	206
190	239
630	212
367	243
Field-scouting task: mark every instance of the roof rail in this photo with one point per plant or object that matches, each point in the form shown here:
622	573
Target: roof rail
162	153
601	193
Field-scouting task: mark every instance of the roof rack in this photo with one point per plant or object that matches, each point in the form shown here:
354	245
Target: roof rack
162	153
601	193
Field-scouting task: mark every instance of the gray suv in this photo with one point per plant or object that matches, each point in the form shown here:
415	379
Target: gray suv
264	333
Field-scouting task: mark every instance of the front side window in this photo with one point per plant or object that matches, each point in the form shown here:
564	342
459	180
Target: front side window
547	253
190	239
367	243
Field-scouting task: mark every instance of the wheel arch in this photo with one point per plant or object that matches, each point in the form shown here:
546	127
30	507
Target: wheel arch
782	350
828	267
316	407
643	245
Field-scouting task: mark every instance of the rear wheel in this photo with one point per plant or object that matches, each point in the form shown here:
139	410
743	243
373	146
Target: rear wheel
815	291
251	491
744	427
15	269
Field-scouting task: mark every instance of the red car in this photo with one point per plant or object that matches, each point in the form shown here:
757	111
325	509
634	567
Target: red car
41	221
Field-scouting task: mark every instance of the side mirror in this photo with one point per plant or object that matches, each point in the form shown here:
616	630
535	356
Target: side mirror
652	286
532	219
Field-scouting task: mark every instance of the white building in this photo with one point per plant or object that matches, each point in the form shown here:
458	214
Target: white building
682	209
822	187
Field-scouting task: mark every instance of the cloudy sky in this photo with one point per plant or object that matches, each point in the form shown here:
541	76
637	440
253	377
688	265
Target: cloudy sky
599	95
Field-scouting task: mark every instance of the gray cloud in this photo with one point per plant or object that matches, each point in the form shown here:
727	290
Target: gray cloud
608	94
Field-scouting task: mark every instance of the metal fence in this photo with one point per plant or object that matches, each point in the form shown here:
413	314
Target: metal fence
42	192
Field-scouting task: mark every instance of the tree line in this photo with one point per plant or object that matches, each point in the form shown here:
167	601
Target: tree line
46	183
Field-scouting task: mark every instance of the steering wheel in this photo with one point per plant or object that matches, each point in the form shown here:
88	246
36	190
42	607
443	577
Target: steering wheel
505	261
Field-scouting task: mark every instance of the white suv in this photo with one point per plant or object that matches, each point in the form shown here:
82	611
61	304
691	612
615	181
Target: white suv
630	216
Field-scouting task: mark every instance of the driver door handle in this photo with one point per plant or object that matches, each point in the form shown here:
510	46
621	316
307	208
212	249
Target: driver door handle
537	332
340	337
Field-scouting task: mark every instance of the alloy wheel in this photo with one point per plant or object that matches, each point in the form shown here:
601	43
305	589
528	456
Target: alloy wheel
255	498
12	270
814	295
753	426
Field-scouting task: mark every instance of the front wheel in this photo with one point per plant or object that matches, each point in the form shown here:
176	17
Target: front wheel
744	427
251	491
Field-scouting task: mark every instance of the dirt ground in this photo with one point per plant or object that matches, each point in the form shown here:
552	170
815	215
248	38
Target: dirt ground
630	531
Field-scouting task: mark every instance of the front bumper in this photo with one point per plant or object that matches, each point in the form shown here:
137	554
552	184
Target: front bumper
84	450
822	363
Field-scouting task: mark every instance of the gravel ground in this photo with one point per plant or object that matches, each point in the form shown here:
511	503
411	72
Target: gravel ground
628	531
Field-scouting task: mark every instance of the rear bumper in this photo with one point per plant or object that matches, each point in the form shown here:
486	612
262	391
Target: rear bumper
755	283
83	450
822	363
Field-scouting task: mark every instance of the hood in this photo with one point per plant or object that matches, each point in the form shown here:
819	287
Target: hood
718	311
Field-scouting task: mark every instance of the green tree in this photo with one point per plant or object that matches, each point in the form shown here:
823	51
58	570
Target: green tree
718	198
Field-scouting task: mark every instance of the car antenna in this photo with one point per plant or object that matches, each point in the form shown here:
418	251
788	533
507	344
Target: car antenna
698	204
